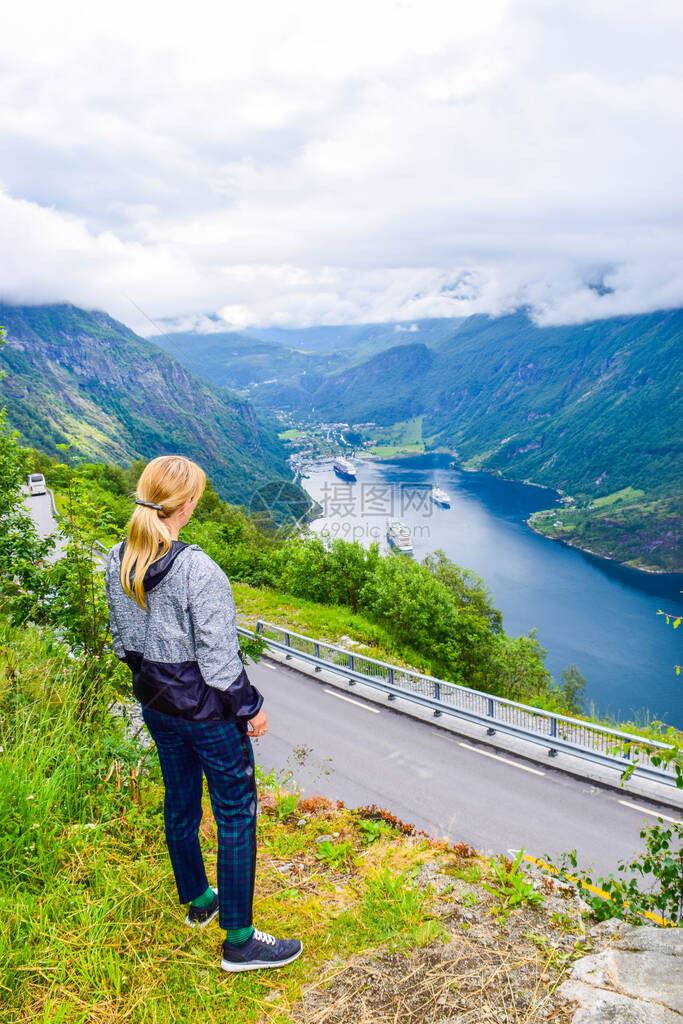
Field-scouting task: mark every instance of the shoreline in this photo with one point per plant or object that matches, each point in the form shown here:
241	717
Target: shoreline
652	571
561	540
596	554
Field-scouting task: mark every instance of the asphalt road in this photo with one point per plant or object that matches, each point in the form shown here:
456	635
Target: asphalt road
341	746
41	510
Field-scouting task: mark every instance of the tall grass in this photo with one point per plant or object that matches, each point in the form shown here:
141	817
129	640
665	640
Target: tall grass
67	790
90	927
327	622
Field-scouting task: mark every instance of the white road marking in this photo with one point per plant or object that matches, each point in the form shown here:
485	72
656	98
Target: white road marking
505	760
266	664
350	700
646	810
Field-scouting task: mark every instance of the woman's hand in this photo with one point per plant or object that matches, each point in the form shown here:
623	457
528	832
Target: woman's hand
258	725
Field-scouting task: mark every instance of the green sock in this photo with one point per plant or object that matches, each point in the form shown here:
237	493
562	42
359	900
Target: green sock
205	900
238	936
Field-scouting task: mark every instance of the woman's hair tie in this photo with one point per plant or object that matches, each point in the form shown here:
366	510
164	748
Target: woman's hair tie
149	504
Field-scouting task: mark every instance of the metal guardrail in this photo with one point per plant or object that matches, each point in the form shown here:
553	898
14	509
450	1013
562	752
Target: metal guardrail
53	503
596	743
55	514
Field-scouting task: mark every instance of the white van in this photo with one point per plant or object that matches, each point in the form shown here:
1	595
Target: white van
36	484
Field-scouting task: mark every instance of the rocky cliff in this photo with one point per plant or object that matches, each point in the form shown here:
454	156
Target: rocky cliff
83	378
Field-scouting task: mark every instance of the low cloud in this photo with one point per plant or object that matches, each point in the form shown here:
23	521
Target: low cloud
294	163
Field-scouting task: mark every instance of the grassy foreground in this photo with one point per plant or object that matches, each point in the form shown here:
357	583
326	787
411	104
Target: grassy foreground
396	926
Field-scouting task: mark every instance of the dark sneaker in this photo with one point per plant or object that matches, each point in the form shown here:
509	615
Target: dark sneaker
261	950
199	917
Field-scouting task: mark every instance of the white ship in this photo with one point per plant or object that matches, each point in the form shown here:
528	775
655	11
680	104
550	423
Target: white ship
440	497
344	468
398	536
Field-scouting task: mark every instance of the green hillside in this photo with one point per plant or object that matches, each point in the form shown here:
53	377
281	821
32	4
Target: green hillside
83	378
588	408
401	368
363	340
292	357
238	361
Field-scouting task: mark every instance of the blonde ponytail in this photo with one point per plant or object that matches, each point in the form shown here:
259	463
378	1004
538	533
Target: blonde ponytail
165	485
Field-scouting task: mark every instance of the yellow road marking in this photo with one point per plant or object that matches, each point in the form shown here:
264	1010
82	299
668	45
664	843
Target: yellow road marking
593	888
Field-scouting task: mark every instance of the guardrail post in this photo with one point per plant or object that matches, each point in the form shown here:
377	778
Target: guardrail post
316	652
626	751
561	734
437	696
492	714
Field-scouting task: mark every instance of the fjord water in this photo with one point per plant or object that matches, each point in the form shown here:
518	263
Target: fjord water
587	610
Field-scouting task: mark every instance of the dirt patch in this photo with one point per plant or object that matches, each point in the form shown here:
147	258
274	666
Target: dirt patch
483	970
461	981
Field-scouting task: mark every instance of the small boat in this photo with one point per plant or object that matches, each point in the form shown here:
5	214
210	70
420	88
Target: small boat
398	536
344	468
440	497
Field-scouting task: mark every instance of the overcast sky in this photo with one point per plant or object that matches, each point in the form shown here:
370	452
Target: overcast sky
299	162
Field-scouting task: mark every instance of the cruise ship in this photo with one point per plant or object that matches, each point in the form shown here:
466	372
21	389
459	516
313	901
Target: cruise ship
344	468
440	497
398	536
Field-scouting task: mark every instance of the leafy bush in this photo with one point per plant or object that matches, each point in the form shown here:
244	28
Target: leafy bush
651	883
23	554
78	607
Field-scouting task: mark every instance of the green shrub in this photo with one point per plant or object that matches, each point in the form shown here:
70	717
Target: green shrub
651	883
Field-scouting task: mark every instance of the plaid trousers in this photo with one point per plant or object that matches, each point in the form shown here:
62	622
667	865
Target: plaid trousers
221	751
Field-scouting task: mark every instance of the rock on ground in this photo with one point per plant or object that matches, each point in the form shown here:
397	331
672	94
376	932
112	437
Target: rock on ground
637	980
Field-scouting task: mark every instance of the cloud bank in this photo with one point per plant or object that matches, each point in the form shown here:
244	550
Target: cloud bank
290	162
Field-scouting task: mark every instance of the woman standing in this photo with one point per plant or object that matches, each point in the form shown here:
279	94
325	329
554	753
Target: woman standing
173	622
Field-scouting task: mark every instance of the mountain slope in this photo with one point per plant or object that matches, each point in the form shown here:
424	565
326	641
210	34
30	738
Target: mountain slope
589	408
253	356
362	340
82	377
384	386
239	361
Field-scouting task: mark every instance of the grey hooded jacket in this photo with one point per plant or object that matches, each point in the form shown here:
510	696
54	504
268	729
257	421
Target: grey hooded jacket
183	650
